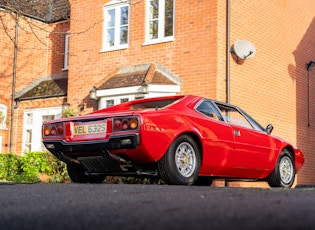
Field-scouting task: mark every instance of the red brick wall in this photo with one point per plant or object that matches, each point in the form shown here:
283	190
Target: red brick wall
272	86
192	55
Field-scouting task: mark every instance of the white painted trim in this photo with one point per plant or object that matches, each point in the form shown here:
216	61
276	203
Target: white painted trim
115	5
164	88
118	91
66	54
161	37
36	126
137	90
4	110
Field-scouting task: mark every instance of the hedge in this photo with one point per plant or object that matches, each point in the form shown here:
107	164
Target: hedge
44	167
32	167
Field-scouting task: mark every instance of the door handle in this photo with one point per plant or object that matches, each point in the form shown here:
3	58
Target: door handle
237	133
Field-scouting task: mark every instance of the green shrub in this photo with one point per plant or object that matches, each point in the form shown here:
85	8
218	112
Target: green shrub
30	166
10	167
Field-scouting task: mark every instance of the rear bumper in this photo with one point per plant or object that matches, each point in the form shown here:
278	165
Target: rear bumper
117	142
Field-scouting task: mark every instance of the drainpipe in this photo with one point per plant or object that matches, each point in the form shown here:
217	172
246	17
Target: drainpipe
226	183
228	51
14	79
308	67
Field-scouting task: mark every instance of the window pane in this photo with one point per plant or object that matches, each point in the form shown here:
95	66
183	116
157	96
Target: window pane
110	24
3	114
122	100
109	103
111	37
207	109
233	117
110	18
168	22
116	27
29	118
48	117
28	141
154	9
124	35
154	29
124	15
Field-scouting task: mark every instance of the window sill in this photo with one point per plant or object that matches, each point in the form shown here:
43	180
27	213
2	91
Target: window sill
158	41
114	48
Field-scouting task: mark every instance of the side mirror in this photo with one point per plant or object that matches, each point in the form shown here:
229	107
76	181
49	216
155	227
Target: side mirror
269	128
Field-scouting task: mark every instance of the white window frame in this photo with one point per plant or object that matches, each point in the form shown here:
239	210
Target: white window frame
66	57
3	121
36	126
161	37
115	5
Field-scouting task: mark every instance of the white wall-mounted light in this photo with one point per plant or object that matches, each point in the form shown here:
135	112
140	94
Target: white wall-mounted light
65	105
93	94
144	87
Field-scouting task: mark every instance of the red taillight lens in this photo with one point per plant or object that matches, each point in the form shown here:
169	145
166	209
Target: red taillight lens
60	129
56	129
53	131
125	123
117	124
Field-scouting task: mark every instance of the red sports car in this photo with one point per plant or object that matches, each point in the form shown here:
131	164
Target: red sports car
183	139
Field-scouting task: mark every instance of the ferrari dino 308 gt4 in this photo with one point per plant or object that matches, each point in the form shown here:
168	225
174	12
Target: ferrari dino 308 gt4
182	139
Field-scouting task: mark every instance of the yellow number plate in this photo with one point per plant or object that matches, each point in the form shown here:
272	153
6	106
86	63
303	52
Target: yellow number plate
89	129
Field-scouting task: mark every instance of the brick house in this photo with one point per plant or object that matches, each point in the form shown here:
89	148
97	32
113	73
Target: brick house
122	50
40	64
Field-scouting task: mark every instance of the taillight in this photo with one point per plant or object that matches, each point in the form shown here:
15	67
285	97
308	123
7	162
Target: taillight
125	123
56	129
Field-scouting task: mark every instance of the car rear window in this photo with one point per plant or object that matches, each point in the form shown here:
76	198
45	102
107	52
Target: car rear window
152	104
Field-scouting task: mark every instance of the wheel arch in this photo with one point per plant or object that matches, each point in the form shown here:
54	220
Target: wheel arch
196	138
290	149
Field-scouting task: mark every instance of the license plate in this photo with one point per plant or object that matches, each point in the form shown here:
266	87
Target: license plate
89	129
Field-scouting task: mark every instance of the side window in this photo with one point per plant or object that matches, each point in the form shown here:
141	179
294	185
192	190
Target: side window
160	20
234	117
206	108
116	25
3	116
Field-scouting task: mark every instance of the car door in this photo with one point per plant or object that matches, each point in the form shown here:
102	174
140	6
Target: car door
253	147
218	141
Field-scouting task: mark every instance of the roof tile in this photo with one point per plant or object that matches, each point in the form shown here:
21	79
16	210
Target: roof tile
48	88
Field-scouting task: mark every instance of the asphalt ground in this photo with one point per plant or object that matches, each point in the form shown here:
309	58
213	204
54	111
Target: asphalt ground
138	206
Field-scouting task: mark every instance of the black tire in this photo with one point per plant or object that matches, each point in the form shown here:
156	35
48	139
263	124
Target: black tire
181	163
283	174
203	181
77	175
